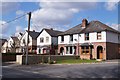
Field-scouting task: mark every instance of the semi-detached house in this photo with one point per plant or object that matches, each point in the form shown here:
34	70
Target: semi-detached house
90	40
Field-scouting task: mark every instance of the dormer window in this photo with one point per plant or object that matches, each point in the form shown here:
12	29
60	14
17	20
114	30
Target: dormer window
86	36
62	38
99	36
71	37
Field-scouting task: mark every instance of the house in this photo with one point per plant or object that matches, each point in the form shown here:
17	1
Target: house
19	35
90	40
32	45
13	45
2	42
47	41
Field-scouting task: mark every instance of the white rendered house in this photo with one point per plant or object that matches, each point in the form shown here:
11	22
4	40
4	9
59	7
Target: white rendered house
47	41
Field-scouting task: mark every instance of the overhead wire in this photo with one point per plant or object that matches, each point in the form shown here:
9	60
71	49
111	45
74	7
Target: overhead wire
18	17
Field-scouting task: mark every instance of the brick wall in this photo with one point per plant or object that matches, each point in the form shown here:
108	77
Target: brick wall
112	50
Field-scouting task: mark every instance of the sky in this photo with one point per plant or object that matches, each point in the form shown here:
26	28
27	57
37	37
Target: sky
57	15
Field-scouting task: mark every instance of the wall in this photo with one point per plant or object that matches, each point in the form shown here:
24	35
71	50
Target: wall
112	37
44	34
35	59
113	50
81	38
9	42
93	37
55	40
25	37
4	47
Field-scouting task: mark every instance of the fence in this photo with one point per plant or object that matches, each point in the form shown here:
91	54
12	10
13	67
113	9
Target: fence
9	56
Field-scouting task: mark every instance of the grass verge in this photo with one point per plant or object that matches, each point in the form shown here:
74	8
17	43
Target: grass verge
75	61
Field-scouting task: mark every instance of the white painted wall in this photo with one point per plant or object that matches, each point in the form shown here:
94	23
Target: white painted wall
25	37
10	41
93	37
81	38
4	47
67	39
44	34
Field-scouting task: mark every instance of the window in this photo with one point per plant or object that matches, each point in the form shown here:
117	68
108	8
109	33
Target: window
98	35
118	37
71	37
41	40
86	36
62	38
47	39
85	49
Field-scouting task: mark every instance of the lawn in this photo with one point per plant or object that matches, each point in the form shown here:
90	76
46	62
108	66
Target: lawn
75	61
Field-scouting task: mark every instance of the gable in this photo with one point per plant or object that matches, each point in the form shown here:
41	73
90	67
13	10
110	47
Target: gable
43	34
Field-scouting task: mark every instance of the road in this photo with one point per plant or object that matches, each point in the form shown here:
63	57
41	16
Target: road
99	70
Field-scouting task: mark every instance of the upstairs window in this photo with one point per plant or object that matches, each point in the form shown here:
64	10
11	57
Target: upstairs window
71	37
41	40
86	36
99	36
47	39
62	38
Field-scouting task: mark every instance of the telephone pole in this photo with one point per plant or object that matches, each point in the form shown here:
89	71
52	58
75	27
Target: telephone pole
27	51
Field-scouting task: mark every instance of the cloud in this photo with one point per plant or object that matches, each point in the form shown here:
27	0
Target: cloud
3	29
18	30
8	7
19	12
58	13
114	26
110	5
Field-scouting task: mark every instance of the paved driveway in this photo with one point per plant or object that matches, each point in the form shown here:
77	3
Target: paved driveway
101	70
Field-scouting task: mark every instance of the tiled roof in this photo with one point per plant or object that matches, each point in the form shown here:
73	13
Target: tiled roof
14	38
51	32
34	34
96	26
74	30
93	26
2	41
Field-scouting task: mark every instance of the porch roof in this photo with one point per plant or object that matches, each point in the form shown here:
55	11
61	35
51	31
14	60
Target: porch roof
69	45
45	46
86	44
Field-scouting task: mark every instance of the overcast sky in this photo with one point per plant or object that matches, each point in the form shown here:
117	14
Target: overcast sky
56	15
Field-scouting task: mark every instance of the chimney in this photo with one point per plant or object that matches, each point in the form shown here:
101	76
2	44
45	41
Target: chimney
51	28
84	23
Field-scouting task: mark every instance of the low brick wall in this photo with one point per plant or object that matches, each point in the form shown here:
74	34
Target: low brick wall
35	59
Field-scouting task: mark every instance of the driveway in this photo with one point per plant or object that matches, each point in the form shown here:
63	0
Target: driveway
98	70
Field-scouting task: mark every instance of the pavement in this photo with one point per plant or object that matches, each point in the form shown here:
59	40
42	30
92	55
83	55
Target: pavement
107	69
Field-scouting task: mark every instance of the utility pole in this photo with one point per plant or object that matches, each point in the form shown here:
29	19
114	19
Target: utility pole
78	44
29	17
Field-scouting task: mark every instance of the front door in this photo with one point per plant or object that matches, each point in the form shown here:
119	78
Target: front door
99	52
